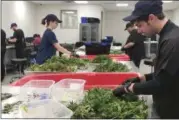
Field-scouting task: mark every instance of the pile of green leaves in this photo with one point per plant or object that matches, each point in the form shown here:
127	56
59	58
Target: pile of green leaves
68	61
60	64
52	67
111	67
5	96
116	52
100	103
10	107
101	59
78	62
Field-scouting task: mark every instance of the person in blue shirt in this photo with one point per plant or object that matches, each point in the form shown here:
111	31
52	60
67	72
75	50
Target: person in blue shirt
49	43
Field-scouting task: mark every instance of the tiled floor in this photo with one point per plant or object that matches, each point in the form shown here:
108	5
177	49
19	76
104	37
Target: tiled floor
8	78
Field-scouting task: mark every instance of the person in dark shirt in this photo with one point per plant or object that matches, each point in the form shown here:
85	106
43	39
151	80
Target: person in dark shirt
49	43
36	41
163	83
3	51
19	40
134	46
127	50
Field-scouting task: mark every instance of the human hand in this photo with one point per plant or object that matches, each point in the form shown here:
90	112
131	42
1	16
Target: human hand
73	54
66	55
121	90
132	80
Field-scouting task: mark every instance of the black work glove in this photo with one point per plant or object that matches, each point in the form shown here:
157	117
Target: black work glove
120	91
131	80
123	49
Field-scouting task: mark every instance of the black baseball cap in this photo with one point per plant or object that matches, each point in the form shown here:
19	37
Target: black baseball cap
52	17
128	25
143	8
13	24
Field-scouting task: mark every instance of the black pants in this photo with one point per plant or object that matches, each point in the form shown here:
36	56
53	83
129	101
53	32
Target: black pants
136	62
2	64
20	54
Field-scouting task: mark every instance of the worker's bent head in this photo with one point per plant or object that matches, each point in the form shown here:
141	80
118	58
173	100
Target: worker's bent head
147	15
13	26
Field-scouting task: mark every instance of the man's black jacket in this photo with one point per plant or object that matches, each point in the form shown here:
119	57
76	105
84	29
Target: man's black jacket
163	84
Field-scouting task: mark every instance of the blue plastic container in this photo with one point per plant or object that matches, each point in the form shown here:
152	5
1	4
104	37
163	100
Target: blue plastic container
104	44
84	20
109	38
87	43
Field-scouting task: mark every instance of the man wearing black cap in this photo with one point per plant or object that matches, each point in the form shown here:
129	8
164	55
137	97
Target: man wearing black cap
18	39
163	83
134	46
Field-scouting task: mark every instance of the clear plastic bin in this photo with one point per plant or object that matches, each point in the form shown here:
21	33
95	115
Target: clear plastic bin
36	90
68	90
44	109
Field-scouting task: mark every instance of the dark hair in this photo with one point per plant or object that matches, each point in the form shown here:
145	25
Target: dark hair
50	18
45	20
36	35
13	25
145	18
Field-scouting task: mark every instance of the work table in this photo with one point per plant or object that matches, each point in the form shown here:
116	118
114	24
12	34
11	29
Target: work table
9	46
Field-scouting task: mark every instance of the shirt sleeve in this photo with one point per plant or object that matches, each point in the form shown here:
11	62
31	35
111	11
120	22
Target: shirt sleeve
136	37
128	39
19	35
52	38
161	84
3	39
3	35
149	76
171	52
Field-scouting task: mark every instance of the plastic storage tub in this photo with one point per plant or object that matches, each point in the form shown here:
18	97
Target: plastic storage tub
68	90
27	72
103	80
96	49
36	89
44	109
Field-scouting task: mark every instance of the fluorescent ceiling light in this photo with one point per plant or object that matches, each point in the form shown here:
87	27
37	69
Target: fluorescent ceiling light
167	1
122	5
81	2
69	12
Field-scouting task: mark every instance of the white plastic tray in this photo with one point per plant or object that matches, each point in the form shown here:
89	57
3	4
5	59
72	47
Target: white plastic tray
44	109
68	90
36	90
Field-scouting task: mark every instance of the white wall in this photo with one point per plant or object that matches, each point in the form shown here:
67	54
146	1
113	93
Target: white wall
169	14
114	25
29	18
66	35
21	12
176	16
